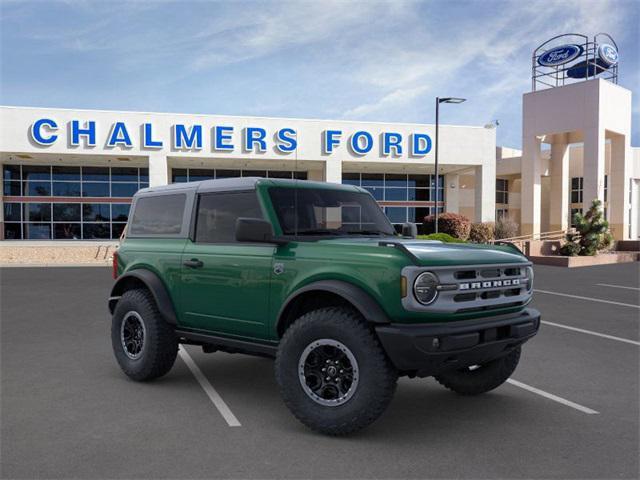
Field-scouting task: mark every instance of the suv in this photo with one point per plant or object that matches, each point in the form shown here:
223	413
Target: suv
314	275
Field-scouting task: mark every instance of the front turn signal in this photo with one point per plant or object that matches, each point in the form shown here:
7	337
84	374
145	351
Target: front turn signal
403	286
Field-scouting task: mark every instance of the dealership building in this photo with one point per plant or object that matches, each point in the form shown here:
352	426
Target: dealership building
70	174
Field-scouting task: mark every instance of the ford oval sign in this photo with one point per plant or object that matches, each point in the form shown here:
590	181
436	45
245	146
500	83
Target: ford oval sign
560	55
608	54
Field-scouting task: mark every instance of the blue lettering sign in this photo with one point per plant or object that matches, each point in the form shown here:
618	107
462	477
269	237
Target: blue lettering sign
331	139
186	139
286	140
357	146
391	140
119	136
222	137
89	131
255	136
37	134
147	138
420	144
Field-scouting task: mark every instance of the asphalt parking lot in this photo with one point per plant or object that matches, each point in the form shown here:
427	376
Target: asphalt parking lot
67	411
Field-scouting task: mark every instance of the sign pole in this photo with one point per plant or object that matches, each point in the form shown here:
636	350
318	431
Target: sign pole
436	162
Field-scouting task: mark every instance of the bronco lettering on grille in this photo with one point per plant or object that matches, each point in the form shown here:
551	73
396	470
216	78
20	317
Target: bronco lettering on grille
489	284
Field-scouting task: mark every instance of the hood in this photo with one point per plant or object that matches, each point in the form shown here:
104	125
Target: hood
436	253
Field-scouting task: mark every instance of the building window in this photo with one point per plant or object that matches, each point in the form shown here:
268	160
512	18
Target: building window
65	214
502	191
606	187
60	181
576	190
573	212
502	213
393	187
181	175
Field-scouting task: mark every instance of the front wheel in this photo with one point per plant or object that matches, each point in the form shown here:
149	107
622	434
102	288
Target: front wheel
481	378
332	372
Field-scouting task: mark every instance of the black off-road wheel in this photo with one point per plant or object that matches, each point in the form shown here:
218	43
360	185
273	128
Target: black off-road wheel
144	345
332	372
481	378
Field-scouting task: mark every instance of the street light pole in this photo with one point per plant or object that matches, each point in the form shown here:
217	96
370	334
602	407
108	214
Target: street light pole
438	102
436	163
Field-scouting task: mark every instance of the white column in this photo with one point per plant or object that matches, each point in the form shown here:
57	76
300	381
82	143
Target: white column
158	170
618	188
531	188
559	205
452	192
333	170
593	167
485	192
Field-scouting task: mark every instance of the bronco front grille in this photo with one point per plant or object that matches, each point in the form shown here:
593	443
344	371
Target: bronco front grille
474	288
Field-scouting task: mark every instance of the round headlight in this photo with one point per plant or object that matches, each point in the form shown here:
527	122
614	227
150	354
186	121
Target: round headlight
529	278
425	288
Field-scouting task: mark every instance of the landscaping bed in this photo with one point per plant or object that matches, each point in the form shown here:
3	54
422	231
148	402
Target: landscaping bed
585	261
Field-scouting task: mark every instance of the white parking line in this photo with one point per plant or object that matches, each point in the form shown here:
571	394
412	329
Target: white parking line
553	397
211	392
617	286
590	332
588	298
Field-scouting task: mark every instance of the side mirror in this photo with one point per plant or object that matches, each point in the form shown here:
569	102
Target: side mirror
409	230
254	230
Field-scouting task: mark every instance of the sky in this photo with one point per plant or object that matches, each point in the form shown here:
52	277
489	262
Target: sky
344	60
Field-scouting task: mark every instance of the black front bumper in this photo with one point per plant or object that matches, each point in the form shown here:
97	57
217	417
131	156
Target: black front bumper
427	349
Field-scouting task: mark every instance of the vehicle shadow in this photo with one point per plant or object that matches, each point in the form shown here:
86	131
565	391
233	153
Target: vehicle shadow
248	385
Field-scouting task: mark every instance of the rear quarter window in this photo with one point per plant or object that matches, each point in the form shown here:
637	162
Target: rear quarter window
158	215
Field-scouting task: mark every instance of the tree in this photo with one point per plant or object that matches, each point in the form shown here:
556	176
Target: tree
592	233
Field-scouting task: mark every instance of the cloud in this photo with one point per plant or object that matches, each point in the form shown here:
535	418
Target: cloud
493	52
283	26
366	60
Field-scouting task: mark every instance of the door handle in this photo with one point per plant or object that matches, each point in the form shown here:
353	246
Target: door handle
193	263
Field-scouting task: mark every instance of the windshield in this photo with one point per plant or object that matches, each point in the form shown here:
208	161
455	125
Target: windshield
328	212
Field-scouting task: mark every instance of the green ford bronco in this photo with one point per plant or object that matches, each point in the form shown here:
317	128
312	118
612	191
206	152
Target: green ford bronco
314	275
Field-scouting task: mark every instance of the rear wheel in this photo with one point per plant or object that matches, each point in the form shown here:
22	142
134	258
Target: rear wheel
332	373
144	345
481	378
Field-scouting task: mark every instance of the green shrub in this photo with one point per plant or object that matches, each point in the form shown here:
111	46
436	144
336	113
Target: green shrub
592	233
482	232
453	224
570	249
443	237
506	228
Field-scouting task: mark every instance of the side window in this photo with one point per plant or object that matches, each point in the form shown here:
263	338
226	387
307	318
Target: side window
158	215
218	212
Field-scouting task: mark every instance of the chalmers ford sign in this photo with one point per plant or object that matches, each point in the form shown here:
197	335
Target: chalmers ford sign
221	138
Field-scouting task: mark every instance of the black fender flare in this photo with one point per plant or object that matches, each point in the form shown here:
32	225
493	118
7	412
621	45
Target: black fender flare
153	284
356	296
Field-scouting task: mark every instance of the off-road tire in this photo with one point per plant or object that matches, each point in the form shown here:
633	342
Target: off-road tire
483	379
160	345
377	378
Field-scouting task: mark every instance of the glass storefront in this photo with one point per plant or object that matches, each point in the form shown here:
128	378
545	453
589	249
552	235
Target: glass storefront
179	175
417	191
63	213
